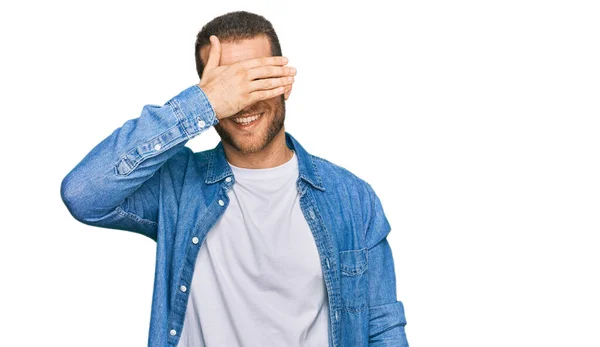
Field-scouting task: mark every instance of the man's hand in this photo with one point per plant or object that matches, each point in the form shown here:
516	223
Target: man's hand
231	88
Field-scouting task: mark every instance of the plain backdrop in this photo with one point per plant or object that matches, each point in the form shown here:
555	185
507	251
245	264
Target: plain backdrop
476	122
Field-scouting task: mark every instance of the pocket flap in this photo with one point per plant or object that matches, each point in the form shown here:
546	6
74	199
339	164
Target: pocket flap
353	262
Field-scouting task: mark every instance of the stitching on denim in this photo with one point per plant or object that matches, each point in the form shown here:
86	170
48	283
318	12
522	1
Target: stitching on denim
188	248
354	274
316	171
135	217
143	158
122	158
371	212
386	304
210	159
355	309
348	271
212	119
181	120
309	201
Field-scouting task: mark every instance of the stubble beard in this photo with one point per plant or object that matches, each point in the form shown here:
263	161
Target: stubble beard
273	129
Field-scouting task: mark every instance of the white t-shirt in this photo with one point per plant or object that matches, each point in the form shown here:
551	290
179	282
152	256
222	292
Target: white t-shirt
258	279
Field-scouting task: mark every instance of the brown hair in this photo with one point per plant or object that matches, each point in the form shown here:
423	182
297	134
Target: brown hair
234	26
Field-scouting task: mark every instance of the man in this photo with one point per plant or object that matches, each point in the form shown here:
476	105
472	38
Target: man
259	243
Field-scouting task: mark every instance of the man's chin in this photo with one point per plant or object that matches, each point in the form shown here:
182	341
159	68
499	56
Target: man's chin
256	138
242	143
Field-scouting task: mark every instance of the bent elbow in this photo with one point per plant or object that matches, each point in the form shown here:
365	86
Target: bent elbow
71	193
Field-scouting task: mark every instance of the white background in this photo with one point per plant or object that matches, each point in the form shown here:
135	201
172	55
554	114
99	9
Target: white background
476	122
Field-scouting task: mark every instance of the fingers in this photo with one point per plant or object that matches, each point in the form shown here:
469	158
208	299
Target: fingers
265	94
262	61
270	87
270	83
267	77
270	71
214	55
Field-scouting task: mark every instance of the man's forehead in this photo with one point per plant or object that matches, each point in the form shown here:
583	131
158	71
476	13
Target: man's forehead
232	52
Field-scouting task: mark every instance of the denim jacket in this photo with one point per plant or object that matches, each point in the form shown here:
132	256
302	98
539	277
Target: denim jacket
142	178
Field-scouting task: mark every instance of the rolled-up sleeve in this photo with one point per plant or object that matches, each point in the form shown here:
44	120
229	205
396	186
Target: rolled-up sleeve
386	314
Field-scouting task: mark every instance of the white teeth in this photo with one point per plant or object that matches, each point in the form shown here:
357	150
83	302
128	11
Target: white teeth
246	120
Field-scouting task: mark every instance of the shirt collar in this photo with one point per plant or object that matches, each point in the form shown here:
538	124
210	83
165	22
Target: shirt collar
218	167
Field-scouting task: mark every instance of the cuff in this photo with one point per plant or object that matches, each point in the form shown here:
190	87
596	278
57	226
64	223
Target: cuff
194	111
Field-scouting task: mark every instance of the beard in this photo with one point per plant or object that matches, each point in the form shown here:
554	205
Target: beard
260	138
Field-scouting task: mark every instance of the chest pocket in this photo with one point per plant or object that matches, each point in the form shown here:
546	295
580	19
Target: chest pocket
354	285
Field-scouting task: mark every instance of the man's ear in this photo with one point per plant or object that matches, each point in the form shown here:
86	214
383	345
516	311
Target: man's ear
288	91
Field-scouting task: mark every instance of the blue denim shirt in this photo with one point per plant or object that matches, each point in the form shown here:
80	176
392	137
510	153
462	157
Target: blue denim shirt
142	178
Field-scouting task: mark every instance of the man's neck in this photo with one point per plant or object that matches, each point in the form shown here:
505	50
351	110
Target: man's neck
274	154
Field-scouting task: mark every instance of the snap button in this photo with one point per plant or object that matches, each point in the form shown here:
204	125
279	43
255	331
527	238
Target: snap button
173	332
157	147
195	240
201	123
228	179
183	288
221	202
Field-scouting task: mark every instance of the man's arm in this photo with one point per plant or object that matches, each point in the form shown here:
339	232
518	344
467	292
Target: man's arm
387	319
116	184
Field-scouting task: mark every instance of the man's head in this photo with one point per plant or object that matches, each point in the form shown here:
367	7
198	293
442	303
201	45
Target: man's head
244	35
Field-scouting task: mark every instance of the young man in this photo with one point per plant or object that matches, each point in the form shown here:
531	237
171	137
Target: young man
259	243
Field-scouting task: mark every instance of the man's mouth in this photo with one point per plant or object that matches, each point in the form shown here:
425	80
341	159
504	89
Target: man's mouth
246	120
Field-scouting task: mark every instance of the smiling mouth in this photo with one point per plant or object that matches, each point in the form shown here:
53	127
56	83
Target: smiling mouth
247	120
